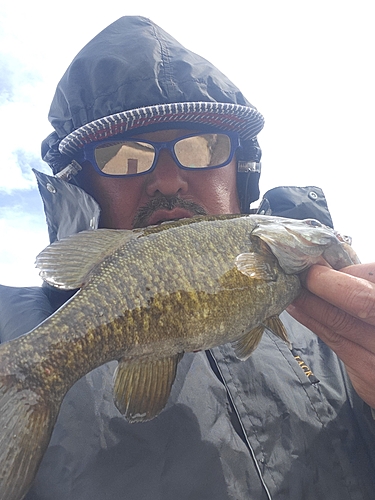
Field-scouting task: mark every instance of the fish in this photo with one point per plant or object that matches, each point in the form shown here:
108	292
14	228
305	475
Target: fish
145	297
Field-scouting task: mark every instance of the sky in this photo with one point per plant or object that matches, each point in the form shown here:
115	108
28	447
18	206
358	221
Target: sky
306	66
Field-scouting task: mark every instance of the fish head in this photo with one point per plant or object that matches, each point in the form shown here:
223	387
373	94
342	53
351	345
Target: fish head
298	244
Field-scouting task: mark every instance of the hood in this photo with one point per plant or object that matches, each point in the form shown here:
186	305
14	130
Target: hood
133	65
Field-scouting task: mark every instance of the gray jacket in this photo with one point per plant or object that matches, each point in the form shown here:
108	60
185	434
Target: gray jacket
285	424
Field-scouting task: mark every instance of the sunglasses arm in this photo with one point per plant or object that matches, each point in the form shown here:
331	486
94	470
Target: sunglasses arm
69	171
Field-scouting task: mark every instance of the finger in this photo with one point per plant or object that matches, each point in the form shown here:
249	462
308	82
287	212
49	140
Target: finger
315	313
359	361
347	350
365	271
352	294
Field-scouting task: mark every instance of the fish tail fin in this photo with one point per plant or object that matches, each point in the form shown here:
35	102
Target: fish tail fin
26	422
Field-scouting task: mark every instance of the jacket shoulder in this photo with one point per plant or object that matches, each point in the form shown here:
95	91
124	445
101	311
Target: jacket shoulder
296	202
21	309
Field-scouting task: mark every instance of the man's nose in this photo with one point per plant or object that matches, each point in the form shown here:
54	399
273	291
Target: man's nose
166	178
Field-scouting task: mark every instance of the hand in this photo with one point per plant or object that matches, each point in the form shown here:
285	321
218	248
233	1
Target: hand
339	306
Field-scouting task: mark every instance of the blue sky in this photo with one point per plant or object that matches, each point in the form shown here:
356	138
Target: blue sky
307	66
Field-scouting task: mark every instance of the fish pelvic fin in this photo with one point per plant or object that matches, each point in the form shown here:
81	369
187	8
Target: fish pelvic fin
142	387
26	424
246	345
276	326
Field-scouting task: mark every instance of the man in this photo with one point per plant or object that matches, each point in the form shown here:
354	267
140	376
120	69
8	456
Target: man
134	115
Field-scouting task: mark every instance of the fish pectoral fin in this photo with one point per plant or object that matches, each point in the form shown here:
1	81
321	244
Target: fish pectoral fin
256	266
69	262
276	326
245	345
142	387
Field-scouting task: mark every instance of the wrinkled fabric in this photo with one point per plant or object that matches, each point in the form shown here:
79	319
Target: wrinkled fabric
306	202
265	430
157	63
147	66
283	425
68	208
259	429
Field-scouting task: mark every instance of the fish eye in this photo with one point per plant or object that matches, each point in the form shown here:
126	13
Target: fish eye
313	223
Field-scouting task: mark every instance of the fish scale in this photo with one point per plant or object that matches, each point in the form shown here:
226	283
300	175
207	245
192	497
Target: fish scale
145	297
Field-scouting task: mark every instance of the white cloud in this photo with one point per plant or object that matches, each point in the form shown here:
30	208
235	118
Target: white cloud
23	236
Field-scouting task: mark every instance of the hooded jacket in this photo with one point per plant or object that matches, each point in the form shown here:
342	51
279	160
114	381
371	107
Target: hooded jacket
283	425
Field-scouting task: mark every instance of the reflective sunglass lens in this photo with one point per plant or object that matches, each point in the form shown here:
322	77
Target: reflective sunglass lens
202	151
132	157
125	158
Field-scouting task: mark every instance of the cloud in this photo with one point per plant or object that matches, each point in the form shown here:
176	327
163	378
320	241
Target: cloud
6	81
15	79
21	126
23	234
20	201
27	162
23	231
16	170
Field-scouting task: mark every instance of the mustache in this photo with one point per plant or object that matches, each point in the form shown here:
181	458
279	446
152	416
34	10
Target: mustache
162	202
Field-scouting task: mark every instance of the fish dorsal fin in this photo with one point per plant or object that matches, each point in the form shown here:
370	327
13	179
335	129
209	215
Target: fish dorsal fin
69	262
245	345
142	387
256	266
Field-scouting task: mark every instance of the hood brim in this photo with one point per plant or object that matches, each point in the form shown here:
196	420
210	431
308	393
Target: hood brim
226	117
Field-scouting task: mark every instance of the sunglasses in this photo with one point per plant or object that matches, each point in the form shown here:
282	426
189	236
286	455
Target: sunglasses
129	157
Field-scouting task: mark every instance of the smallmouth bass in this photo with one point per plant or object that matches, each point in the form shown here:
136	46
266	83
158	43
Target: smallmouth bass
145	297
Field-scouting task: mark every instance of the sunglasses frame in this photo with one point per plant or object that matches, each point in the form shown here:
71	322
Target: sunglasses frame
89	151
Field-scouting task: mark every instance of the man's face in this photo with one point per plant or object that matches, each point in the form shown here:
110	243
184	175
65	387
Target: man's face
166	193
